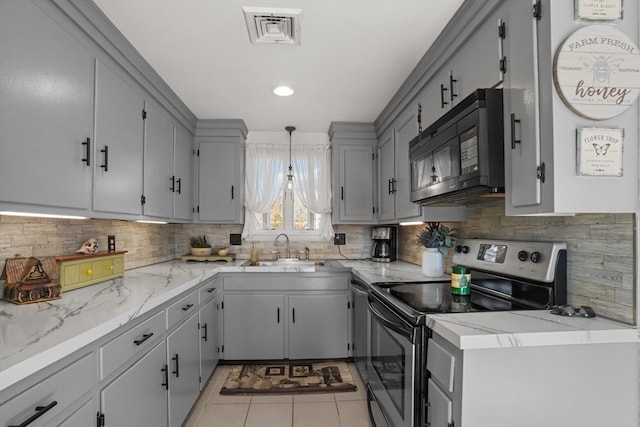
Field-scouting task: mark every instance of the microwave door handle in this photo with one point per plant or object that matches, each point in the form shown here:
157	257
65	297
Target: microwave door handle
397	327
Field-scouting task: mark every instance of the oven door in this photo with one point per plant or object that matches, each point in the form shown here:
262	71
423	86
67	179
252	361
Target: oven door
391	367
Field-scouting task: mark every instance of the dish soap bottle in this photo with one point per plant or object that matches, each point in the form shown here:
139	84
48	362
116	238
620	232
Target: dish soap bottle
255	255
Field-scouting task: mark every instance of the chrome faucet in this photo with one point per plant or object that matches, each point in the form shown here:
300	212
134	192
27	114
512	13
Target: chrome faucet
275	243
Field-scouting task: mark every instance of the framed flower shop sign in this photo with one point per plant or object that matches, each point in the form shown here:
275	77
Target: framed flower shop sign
598	10
599	151
596	72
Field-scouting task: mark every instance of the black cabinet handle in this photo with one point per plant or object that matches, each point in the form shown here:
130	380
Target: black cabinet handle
179	181
187	307
452	94
40	411
514	141
443	103
393	186
278	314
173	184
232	195
293	315
165	372
143	339
341	193
211	290
389	187
177	370
87	152
206	334
105	165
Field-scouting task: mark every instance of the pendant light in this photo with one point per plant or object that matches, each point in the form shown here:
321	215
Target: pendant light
290	129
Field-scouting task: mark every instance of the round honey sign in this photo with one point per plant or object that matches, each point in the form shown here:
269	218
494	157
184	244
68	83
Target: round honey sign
597	72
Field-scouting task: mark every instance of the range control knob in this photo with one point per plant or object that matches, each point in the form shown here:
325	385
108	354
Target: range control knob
462	249
523	255
535	257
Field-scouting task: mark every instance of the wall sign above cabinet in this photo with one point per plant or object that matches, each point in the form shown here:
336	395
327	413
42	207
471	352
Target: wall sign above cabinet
596	72
600	10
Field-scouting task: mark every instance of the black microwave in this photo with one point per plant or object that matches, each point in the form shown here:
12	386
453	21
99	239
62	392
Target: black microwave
461	155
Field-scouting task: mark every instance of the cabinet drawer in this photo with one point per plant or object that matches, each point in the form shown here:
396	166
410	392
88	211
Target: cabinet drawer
63	387
441	364
135	341
207	292
181	309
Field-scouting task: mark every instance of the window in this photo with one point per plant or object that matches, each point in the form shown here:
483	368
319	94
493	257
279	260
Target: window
303	212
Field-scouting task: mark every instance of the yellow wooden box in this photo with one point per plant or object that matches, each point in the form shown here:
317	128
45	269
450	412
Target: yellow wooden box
77	271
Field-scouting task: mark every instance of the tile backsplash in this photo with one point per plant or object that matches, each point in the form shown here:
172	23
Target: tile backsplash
601	247
600	252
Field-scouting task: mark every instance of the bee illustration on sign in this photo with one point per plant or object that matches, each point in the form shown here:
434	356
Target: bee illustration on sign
601	149
601	67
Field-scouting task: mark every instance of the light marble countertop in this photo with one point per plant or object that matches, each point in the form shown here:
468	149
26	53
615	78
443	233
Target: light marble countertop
35	335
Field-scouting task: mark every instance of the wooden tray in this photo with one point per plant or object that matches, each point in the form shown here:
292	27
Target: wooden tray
227	258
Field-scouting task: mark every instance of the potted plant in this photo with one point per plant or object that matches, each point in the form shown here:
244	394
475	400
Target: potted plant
436	239
200	247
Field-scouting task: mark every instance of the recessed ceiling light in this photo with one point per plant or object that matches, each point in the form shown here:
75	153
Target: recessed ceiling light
283	91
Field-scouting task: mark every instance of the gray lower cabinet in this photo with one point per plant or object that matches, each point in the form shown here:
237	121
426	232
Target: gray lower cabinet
81	417
318	326
51	399
138	397
253	326
286	316
183	357
208	327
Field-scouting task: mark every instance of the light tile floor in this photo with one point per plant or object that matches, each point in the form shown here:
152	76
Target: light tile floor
347	409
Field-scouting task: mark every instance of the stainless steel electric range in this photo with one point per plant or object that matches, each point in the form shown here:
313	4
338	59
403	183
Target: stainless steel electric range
505	275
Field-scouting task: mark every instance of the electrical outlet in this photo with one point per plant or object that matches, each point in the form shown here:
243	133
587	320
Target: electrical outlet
235	239
339	239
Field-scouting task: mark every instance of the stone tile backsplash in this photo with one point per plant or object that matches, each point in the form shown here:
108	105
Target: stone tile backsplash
600	252
601	255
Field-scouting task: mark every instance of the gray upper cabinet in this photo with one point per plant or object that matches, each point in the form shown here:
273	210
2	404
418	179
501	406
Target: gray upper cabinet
220	151
182	183
46	113
353	147
119	132
394	183
541	152
159	179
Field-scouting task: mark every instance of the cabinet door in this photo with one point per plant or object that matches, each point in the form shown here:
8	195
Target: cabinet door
406	131
46	110
138	397
217	186
521	118
440	408
208	340
183	358
253	326
83	417
356	183
386	174
318	326
183	170
119	137
158	162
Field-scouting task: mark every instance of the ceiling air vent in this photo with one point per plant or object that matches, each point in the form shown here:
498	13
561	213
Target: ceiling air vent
268	25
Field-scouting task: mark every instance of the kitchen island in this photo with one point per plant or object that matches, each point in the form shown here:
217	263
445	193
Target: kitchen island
33	337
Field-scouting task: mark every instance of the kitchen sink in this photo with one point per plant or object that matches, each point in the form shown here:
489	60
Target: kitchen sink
285	263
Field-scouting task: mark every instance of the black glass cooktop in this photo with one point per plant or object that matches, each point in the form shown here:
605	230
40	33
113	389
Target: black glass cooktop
436	297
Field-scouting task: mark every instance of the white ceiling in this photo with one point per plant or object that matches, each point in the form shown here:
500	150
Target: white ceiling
353	56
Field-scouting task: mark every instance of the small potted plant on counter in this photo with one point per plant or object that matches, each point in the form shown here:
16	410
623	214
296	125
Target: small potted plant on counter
436	239
200	247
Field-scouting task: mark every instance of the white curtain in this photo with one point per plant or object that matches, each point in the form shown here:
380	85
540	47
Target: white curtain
263	182
266	168
312	182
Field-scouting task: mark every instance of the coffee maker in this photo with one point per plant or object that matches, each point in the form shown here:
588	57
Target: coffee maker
384	243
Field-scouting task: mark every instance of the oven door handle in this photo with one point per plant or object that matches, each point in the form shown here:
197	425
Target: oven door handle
400	328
